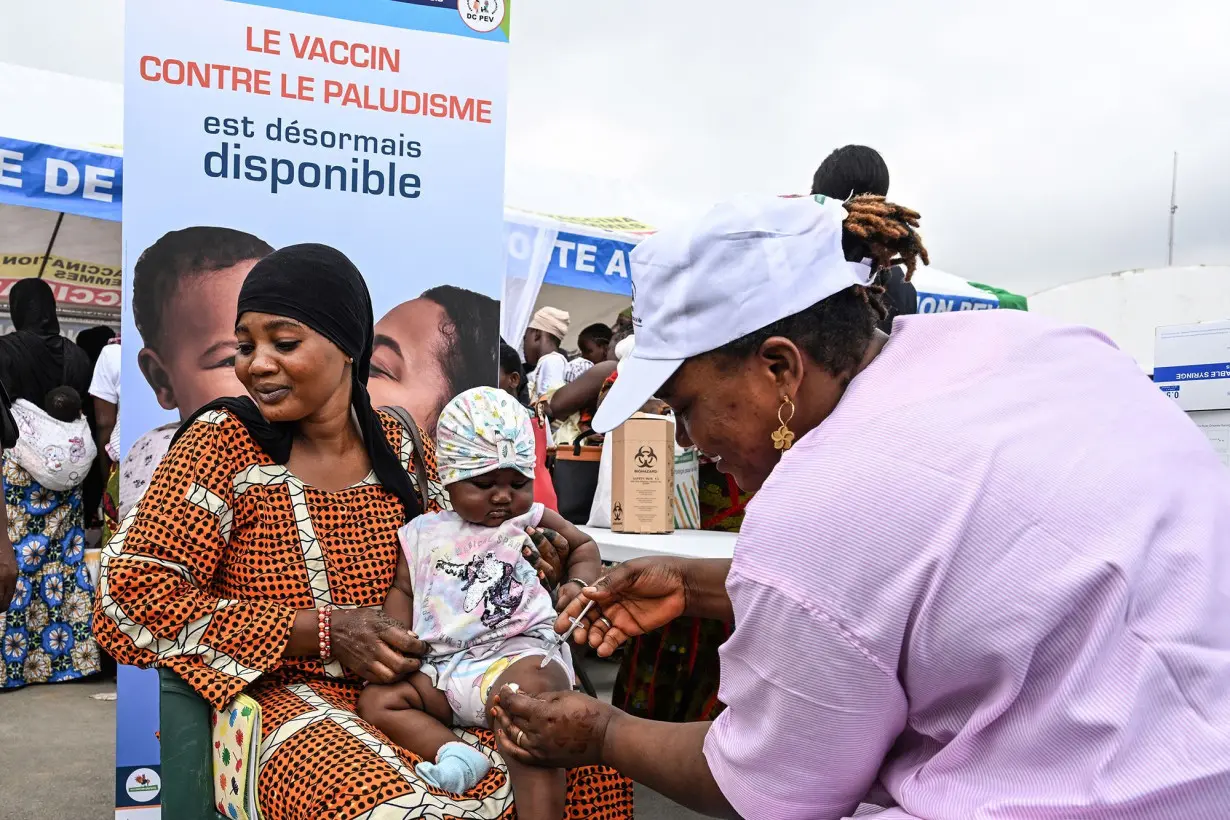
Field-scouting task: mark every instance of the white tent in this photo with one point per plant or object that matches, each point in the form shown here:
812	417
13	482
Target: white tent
580	264
1130	305
61	177
577	264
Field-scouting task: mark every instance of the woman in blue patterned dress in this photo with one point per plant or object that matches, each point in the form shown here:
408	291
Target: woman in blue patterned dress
47	629
46	634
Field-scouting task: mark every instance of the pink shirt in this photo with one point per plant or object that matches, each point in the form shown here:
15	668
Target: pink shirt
996	580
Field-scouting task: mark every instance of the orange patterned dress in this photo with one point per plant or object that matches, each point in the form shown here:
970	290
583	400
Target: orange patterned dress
205	577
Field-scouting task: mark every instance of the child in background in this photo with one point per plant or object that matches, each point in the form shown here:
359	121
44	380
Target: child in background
54	444
465	589
63	404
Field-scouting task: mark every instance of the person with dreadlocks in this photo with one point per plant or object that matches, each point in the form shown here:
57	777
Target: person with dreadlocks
984	574
848	172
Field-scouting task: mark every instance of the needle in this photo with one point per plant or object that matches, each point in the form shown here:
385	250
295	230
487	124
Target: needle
563	639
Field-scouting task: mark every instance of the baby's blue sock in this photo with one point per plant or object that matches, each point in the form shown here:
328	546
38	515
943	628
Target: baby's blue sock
457	769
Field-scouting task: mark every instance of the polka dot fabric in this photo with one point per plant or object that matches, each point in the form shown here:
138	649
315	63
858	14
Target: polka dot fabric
205	577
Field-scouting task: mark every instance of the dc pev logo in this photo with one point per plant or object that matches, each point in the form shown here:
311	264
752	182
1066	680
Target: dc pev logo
482	15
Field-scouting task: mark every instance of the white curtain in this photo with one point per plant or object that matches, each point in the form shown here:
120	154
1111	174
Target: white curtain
527	254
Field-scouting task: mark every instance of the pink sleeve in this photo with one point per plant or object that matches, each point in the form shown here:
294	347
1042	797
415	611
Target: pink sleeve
407	537
810	715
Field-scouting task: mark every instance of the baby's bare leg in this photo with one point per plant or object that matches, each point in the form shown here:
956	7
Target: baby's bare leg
539	794
413	713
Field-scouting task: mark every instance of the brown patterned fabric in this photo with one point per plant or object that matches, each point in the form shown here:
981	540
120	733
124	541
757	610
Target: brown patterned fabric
205	577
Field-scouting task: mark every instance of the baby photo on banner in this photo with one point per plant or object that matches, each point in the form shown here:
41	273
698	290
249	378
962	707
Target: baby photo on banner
375	127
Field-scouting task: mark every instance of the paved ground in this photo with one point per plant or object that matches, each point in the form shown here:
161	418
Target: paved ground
57	754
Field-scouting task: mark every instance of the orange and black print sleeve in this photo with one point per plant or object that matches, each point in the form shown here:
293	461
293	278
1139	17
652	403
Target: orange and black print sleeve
155	605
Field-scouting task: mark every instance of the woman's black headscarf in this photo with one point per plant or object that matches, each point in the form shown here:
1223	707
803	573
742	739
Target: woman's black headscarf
318	286
35	359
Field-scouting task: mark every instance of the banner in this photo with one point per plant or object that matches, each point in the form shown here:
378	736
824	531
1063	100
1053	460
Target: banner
373	126
943	303
76	283
84	183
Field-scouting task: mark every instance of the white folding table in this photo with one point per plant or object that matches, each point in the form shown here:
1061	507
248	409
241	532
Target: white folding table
618	546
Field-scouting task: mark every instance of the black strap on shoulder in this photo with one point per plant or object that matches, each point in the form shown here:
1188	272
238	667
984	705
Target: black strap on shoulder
420	462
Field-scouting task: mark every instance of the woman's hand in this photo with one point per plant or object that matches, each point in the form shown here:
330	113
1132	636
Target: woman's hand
374	646
558	729
552	554
637	597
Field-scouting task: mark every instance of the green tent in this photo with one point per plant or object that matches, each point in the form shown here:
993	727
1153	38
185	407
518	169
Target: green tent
1007	299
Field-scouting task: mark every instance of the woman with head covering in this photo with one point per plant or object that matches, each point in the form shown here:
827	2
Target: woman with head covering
46	631
259	556
985	571
35	358
542	352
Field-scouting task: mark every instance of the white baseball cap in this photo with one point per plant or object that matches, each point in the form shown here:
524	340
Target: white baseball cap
743	266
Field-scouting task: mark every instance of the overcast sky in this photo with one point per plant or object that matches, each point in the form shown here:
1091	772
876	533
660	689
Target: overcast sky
1035	138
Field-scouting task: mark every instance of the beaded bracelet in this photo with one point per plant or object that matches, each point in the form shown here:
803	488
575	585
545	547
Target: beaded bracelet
324	619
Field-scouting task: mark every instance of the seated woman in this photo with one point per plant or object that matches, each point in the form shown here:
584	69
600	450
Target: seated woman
273	519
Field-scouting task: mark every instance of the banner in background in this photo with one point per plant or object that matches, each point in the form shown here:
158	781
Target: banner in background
76	283
944	303
374	126
84	183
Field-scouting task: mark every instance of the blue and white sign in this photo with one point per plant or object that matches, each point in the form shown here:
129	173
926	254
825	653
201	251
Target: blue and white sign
940	292
944	303
590	263
1191	364
71	181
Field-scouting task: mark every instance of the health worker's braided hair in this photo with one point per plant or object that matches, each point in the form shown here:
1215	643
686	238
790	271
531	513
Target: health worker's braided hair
835	332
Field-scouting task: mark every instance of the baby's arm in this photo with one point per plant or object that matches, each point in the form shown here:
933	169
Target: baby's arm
584	561
399	604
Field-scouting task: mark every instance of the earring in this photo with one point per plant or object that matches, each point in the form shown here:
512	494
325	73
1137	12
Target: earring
783	438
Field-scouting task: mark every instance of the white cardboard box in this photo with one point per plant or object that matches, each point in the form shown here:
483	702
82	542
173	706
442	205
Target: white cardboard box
1192	364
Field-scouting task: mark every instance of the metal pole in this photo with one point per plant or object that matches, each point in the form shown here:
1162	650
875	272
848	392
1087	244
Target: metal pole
51	244
1174	184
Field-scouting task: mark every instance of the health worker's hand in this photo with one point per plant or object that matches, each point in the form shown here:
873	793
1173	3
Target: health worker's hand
637	597
557	729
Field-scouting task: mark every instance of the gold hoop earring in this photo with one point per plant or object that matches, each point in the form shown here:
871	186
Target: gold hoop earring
783	438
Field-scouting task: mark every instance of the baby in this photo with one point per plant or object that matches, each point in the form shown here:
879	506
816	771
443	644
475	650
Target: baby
63	404
465	588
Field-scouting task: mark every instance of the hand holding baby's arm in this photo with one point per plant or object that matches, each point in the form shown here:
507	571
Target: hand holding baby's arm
582	561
